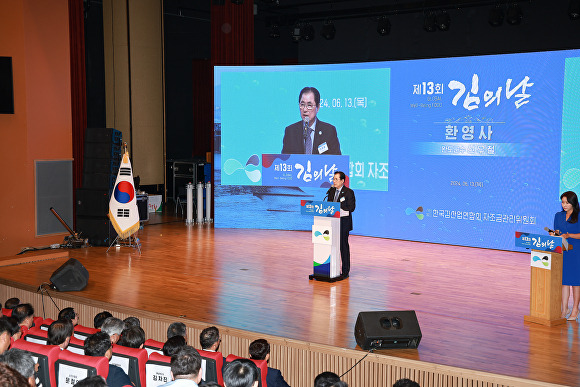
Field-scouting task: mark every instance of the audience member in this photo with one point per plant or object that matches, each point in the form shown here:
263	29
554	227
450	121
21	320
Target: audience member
113	327
133	337
209	384
100	318
326	379
406	383
14	328
177	329
173	345
24	314
210	339
185	368
12	303
69	314
132	322
22	362
9	377
92	381
241	373
260	350
60	332
5	334
99	344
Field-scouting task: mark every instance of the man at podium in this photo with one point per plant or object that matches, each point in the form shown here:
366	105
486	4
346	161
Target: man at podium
340	193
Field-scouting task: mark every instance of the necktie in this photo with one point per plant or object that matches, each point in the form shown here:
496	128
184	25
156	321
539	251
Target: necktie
336	193
308	142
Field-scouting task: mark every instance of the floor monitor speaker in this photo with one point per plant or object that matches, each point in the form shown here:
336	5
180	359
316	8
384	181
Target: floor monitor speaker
72	276
387	329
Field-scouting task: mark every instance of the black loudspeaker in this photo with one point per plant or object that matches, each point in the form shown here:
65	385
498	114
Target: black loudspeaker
387	329
70	277
92	202
98	229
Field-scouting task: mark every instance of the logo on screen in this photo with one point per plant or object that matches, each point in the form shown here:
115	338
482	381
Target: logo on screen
233	165
418	212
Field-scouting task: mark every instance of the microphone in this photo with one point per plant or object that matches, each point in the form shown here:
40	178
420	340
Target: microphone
327	192
556	232
305	127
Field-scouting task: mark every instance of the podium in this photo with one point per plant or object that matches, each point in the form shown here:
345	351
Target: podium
325	238
545	277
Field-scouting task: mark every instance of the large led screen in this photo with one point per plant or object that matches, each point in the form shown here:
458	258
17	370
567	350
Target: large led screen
461	151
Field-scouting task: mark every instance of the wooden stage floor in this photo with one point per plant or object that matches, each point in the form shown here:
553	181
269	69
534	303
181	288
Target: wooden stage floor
470	302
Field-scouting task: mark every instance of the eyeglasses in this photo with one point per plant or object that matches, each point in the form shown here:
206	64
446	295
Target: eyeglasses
307	106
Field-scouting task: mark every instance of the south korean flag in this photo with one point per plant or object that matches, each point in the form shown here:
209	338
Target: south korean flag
123	210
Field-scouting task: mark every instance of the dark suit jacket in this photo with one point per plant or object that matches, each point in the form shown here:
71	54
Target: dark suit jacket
274	378
117	377
293	142
348	204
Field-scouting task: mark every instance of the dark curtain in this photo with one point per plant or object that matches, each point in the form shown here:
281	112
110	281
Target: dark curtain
202	107
78	87
232	34
232	43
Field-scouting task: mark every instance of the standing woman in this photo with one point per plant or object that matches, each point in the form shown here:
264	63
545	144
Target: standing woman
567	226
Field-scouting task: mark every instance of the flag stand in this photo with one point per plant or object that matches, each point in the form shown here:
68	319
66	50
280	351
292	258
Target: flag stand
131	241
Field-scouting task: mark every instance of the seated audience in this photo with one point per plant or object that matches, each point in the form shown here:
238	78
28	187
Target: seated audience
406	383
5	334
9	377
177	329
173	345
133	337
260	350
92	381
326	379
185	368
99	344
100	318
69	314
132	322
113	327
22	362
59	333
241	373
210	339
12	303
24	314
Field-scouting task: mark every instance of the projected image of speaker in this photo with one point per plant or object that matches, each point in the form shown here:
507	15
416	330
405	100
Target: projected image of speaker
72	276
387	329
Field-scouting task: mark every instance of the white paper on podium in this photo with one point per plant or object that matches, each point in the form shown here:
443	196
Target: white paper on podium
565	243
344	213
